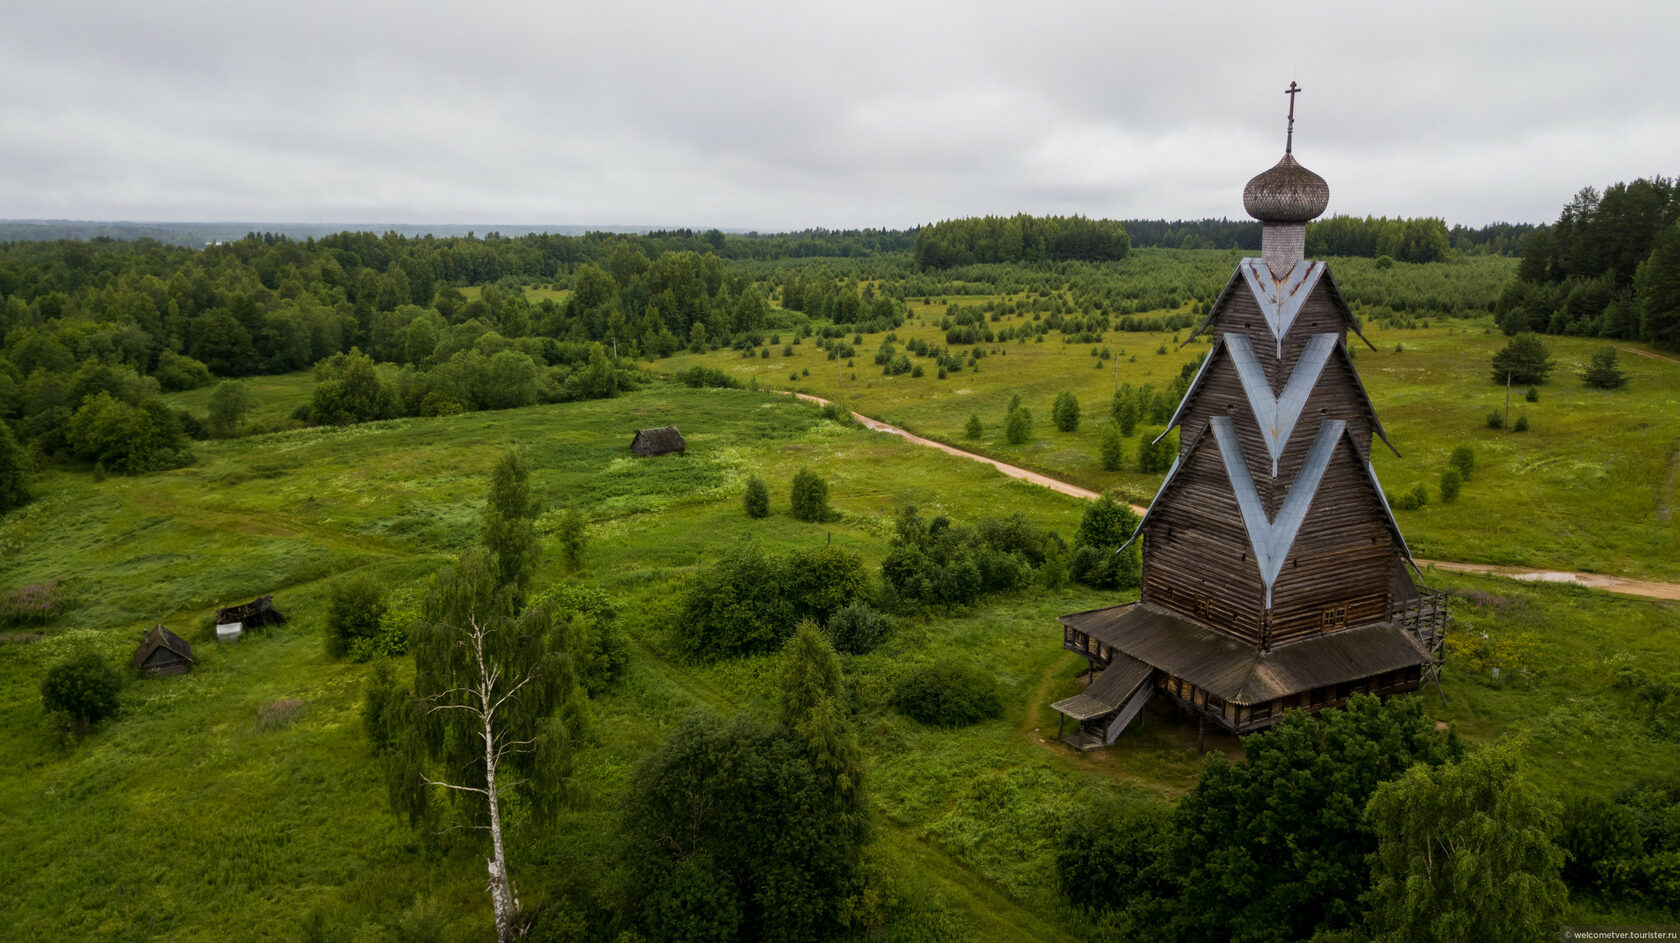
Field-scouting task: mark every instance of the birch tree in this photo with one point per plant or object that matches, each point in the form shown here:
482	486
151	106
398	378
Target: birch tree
494	712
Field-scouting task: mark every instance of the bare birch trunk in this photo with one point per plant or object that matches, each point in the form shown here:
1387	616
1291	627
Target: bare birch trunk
502	899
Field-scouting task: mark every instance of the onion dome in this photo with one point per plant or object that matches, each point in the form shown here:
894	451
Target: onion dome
1288	193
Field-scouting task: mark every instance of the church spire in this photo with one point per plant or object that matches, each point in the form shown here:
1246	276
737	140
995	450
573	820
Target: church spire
1284	199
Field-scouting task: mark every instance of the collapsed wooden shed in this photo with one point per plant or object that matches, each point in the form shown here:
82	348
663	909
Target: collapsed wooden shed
232	621
163	652
649	442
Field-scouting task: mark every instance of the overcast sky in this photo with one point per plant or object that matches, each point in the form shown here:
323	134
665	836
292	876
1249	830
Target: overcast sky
783	115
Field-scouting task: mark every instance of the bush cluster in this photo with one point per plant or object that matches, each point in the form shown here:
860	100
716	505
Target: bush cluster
936	562
748	601
948	693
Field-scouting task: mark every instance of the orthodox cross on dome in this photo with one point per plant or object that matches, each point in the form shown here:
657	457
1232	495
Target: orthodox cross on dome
1289	141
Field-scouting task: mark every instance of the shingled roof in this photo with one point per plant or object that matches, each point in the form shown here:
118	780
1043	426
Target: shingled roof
160	637
1240	673
658	441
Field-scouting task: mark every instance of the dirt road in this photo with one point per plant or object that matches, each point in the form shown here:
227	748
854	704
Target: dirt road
1613	584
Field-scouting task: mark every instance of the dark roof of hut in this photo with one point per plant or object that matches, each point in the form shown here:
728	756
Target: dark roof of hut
1241	673
160	637
259	611
667	439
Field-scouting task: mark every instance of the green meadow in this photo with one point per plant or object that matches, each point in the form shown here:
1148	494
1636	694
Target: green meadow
189	817
1590	486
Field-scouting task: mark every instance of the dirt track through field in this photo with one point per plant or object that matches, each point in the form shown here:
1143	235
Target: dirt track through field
1614	584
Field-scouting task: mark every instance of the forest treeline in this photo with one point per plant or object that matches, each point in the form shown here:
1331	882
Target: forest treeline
94	331
1608	267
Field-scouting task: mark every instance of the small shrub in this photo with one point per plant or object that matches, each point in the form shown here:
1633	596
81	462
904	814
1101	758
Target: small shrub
1463	459
573	538
1496	420
1533	394
354	608
83	688
1017	429
1451	481
1604	373
948	694
858	629
1065	412
756	500
1111	451
698	377
973	430
809	496
1521	425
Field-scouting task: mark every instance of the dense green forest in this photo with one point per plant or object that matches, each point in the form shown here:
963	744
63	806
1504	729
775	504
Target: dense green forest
1609	267
93	331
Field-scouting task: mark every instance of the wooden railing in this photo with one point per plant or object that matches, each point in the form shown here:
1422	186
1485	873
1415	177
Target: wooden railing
1426	617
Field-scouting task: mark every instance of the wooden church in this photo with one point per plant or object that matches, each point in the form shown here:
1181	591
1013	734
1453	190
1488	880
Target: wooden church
1274	575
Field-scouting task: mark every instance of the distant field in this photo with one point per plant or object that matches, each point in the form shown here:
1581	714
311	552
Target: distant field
1589	487
182	820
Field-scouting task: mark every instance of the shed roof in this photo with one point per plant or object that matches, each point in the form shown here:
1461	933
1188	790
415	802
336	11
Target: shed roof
1238	672
1111	688
666	439
160	637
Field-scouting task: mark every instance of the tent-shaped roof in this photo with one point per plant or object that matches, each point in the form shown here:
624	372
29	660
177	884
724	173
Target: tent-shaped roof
658	441
1271	537
160	637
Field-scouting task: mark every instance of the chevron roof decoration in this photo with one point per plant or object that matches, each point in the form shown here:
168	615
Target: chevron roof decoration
1277	414
1272	538
1280	301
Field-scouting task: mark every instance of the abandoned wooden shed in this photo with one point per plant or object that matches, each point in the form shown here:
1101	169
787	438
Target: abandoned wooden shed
232	621
1274	574
163	652
649	442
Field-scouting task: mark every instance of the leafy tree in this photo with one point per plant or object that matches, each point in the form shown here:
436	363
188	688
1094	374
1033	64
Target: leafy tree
821	581
736	606
83	687
1451	481
495	707
1464	852
1017	427
14	468
1604	373
1463	458
756	500
1125	409
809	496
1524	360
355	606
350	391
973	430
124	439
1157	451
1113	855
573	537
509	523
1275	848
224	345
1106	525
1111	450
857	629
229	403
1065	412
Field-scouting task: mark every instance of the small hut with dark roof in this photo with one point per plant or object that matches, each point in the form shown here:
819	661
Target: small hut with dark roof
232	621
1274	575
650	442
163	653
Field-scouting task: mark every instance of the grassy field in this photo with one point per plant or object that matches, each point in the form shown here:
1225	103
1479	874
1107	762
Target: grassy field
1590	486
185	819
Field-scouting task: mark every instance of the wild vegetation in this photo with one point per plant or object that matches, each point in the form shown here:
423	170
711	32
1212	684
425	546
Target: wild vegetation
871	660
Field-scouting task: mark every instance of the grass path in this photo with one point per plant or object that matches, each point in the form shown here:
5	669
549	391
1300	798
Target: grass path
1649	589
